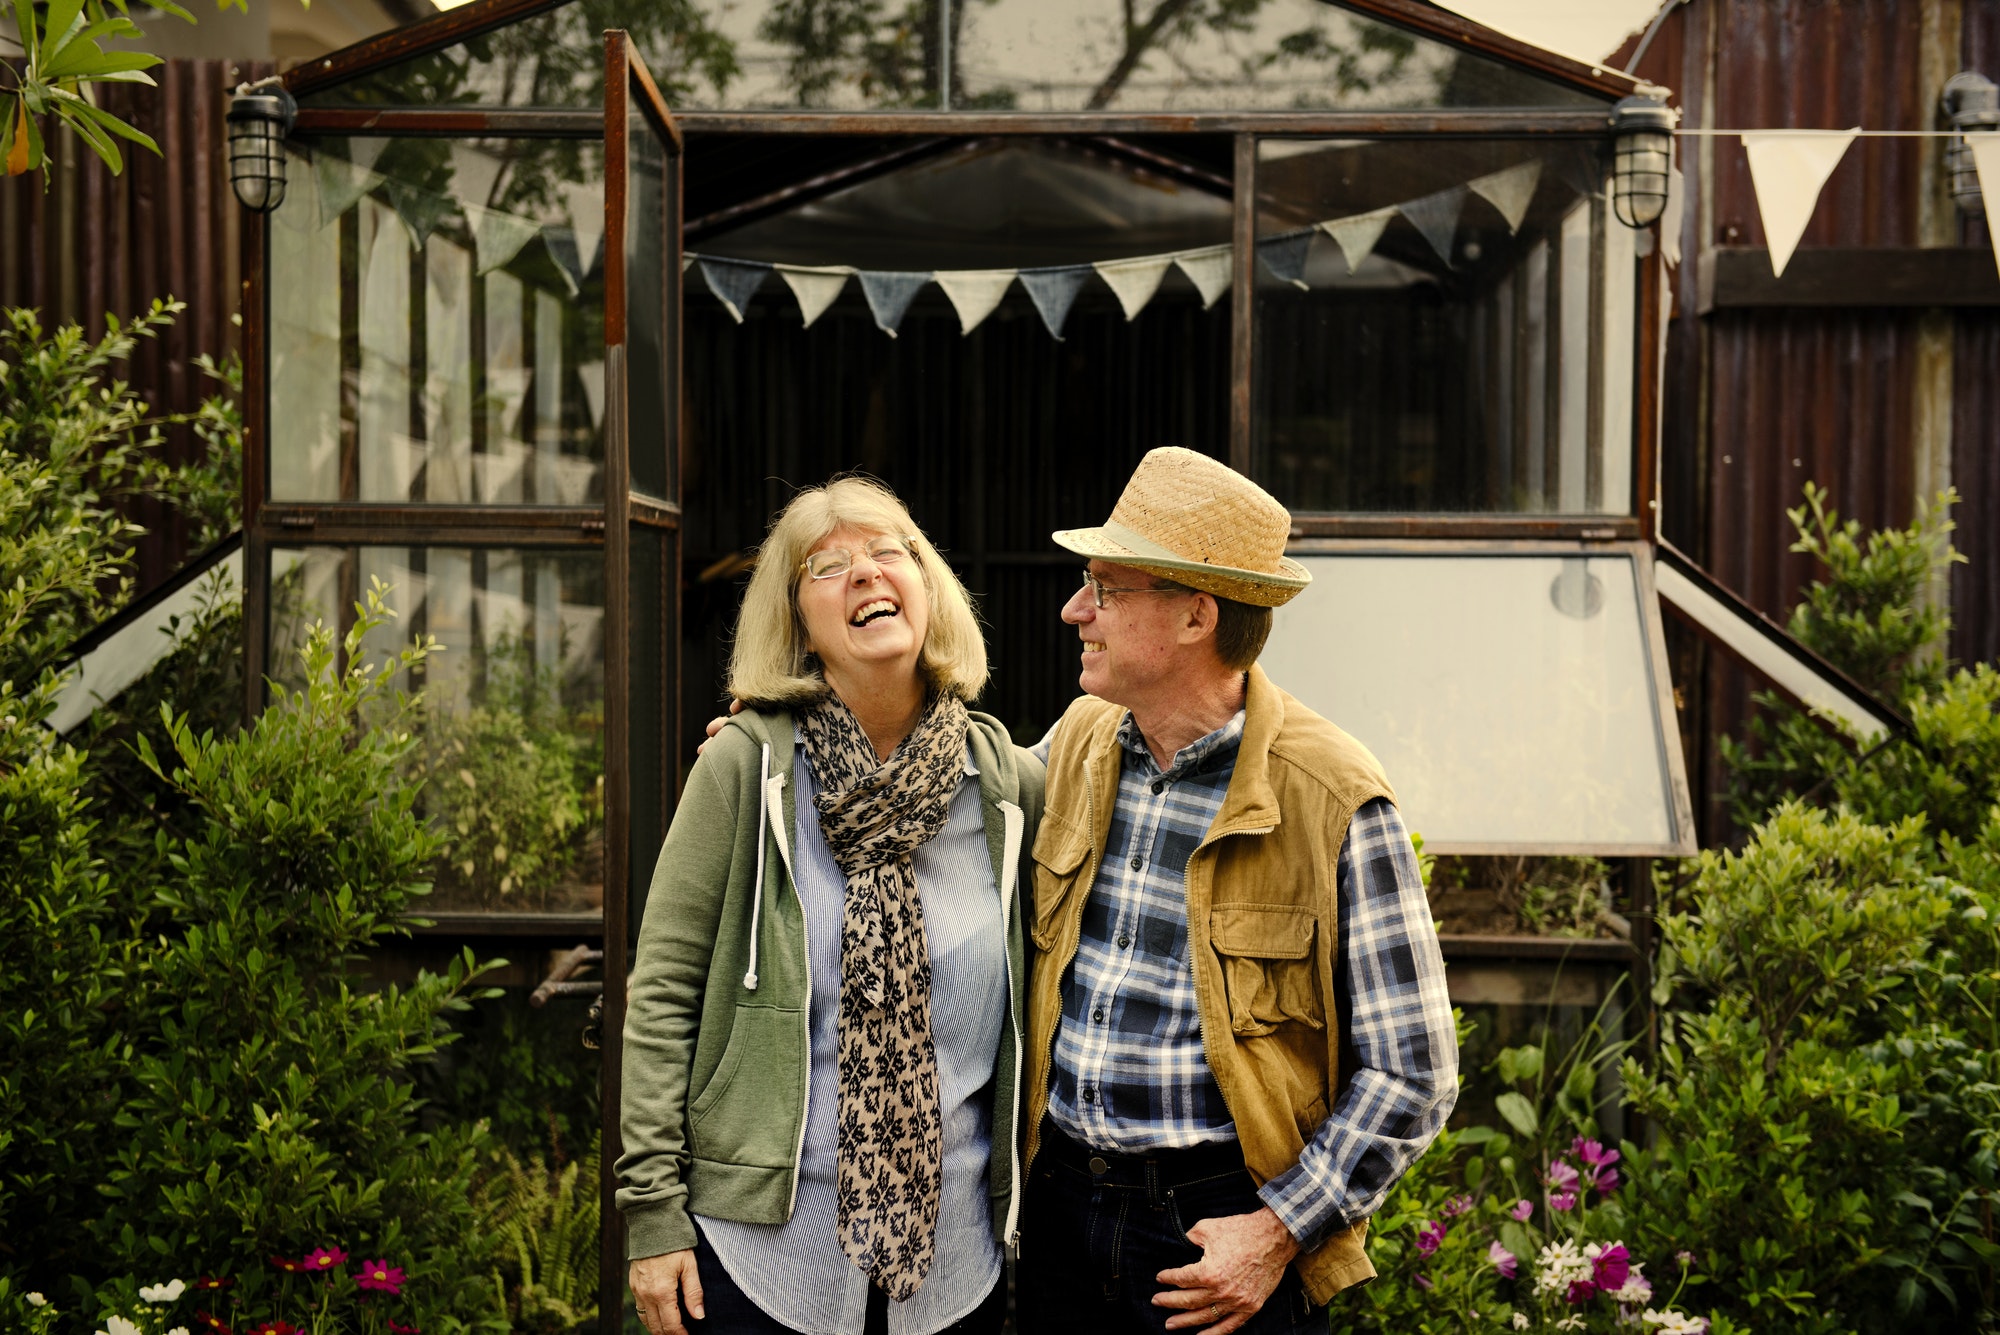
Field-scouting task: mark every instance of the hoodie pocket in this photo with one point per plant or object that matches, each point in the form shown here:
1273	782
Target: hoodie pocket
747	1112
1267	966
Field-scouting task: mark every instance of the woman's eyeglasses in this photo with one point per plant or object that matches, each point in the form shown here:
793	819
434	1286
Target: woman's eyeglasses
834	561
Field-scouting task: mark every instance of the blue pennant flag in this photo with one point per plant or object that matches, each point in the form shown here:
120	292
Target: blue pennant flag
1285	255
1436	216
561	242
733	282
1054	291
889	295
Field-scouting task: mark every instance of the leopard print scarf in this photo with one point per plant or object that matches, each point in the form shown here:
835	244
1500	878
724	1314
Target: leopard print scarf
874	814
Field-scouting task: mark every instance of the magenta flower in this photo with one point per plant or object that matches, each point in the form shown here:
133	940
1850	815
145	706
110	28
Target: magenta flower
1560	1176
325	1258
1456	1206
398	1328
381	1277
1423	1281
1430	1237
1592	1154
1607	1180
1522	1209
1503	1260
1611	1267
288	1265
1562	1200
1580	1291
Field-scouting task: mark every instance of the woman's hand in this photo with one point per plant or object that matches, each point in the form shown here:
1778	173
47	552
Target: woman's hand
661	1284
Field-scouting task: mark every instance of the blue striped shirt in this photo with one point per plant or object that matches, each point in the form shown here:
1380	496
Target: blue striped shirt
1129	1070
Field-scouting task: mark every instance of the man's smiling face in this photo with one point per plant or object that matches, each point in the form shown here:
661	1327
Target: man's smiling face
1131	647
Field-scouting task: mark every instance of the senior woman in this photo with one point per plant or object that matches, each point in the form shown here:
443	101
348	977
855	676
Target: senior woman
822	1043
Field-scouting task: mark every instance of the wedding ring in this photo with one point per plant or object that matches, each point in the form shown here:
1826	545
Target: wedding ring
1214	1311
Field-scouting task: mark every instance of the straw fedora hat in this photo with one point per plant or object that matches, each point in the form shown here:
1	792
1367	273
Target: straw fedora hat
1201	523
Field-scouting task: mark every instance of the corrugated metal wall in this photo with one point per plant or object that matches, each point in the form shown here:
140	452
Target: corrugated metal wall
1758	402
89	243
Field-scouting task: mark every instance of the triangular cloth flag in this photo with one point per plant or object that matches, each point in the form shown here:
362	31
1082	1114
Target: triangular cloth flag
733	282
585	206
1986	157
1054	291
1436	216
498	237
1509	191
815	288
1134	280
341	183
1209	269
421	210
1357	236
1788	169
561	243
1285	255
974	293
890	294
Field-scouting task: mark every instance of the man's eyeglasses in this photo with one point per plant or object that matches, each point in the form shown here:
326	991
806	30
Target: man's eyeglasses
833	561
1100	592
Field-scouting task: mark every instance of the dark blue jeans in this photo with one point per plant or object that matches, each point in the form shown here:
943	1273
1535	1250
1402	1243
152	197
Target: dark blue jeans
1096	1229
730	1311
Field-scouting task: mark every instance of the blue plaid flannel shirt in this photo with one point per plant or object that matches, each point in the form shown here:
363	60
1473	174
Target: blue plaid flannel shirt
1129	1070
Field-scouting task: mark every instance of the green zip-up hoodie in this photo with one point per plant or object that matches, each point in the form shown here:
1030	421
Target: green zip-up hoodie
717	1047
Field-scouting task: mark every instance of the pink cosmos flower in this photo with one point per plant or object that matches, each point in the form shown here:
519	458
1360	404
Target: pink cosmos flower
381	1277
1503	1260
288	1265
1430	1237
1456	1206
1592	1154
1580	1291
1611	1267
1423	1282
398	1328
325	1258
1560	1176
1522	1209
1607	1180
1562	1200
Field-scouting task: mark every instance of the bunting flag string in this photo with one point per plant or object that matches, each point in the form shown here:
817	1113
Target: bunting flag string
1357	236
1986	157
974	293
1209	269
1436	216
1134	281
815	288
1788	169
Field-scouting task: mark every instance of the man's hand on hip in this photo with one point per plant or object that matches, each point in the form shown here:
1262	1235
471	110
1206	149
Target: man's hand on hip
1243	1256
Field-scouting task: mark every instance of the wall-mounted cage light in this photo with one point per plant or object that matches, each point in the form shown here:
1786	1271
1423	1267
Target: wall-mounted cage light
260	116
1972	105
1642	127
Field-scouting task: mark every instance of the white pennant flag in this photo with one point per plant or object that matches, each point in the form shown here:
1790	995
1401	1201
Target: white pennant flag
815	288
1134	280
1209	269
974	293
340	183
1357	236
585	206
1788	168
498	237
1509	191
473	174
1986	156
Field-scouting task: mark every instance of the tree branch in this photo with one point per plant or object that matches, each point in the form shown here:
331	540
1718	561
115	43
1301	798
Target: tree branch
1137	42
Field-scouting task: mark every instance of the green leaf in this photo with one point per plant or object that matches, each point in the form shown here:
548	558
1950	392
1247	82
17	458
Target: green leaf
59	28
100	143
1518	1064
1520	1113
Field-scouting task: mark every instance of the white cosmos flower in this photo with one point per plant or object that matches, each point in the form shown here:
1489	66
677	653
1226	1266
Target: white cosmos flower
118	1325
37	1300
178	1330
1673	1323
1558	1266
1520	1321
163	1293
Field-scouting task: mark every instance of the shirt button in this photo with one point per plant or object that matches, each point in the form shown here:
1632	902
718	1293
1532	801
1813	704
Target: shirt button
1159	785
1138	862
1089	1095
1124	940
1098	1015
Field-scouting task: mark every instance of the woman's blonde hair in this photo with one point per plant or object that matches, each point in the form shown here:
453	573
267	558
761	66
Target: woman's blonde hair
771	661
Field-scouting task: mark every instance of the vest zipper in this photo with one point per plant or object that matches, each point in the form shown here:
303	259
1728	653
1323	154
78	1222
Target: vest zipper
1049	1056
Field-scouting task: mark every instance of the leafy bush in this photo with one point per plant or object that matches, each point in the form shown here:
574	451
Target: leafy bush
547	1217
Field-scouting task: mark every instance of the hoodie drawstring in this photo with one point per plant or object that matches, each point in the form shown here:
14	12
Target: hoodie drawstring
757	898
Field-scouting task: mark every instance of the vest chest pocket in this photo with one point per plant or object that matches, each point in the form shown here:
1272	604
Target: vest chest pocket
1267	966
1059	853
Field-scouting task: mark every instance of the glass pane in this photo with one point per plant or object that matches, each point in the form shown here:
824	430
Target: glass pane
1511	699
512	750
1445	330
1005	55
651	743
649	374
436	323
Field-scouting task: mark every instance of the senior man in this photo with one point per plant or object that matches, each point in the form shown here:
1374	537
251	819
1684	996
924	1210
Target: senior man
1239	1031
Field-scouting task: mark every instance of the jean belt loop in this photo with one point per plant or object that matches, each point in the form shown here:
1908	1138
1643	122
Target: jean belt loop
1155	1197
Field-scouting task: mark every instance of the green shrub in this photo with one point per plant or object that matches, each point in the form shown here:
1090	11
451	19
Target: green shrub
547	1217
